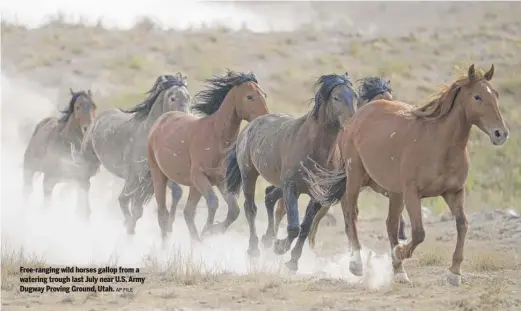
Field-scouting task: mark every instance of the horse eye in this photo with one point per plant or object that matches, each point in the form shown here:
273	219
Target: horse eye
335	98
249	97
172	99
477	97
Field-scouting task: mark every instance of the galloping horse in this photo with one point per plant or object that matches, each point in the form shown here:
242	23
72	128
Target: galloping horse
371	89
277	146
413	153
54	151
190	150
117	138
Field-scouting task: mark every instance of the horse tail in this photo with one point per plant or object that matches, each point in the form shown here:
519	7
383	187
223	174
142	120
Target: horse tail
146	187
326	187
233	173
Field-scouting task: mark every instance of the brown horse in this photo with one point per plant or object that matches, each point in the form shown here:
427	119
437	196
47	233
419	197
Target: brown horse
190	150
278	146
415	153
54	150
371	89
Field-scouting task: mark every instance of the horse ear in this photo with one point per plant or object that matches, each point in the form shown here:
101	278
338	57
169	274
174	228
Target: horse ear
179	75
490	73
472	73
185	80
89	92
70	90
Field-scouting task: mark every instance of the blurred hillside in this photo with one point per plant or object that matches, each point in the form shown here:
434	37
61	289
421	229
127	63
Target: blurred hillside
415	45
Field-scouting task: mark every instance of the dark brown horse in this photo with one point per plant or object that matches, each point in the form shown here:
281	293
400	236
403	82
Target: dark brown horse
55	150
371	88
277	146
189	150
414	153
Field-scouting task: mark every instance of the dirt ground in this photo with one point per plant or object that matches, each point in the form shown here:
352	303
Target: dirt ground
416	45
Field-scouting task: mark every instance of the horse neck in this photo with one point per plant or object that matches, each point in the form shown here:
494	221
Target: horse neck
225	121
155	112
454	128
321	135
72	130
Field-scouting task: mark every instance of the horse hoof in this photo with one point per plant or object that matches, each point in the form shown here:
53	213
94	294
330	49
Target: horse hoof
356	268
253	253
217	228
267	241
453	278
401	277
291	265
280	247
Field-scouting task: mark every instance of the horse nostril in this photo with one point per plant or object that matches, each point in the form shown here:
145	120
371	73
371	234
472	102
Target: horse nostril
497	133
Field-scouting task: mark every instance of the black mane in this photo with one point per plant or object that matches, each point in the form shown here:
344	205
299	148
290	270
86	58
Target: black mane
372	87
325	85
162	83
209	100
70	108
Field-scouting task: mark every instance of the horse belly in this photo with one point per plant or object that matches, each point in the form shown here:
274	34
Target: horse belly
382	166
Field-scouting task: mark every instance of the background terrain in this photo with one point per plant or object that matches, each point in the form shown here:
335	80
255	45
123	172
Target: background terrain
416	45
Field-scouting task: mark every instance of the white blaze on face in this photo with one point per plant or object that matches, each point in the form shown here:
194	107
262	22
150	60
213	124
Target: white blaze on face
488	89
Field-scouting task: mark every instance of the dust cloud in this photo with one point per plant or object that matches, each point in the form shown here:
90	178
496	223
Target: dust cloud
58	236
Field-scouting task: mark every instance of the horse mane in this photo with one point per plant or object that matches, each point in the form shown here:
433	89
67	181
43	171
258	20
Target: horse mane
372	87
325	85
70	108
162	83
210	99
444	100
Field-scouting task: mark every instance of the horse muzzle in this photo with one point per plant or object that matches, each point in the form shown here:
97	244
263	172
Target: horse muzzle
498	136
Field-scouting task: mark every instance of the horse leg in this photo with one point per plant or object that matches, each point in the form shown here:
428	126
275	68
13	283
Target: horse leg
350	211
290	195
48	186
273	194
83	208
124	200
456	203
401	232
159	180
393	222
233	212
250	209
177	193
314	226
137	202
203	185
189	212
413	206
296	252
280	212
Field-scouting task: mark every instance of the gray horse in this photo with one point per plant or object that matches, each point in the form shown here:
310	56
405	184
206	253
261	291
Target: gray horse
118	138
54	147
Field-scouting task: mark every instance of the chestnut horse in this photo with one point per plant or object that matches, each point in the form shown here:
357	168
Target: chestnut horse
277	146
414	153
189	150
54	150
